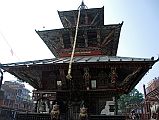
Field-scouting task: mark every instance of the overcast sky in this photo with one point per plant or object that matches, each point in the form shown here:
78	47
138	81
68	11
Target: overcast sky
19	19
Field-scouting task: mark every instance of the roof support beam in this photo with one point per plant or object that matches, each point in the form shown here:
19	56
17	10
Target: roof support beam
107	38
94	19
61	39
69	23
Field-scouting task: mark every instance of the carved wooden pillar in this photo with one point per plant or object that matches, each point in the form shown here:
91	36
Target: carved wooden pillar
114	75
116	105
87	77
63	78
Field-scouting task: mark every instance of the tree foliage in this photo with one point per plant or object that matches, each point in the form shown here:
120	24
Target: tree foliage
134	97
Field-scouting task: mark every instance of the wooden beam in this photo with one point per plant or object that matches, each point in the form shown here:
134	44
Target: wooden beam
61	39
94	19
107	38
69	23
131	76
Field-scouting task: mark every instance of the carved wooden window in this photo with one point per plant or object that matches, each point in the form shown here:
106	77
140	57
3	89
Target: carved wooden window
92	38
76	79
82	17
66	40
80	40
49	80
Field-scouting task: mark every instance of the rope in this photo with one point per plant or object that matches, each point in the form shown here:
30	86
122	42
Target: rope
73	50
11	50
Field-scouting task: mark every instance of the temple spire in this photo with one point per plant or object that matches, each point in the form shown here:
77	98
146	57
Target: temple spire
82	6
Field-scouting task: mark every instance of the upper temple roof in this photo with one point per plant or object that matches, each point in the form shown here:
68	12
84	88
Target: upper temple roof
101	40
93	37
88	17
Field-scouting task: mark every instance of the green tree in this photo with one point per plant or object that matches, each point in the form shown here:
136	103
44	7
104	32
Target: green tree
133	98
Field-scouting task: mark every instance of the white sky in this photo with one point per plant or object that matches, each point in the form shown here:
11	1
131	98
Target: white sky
19	19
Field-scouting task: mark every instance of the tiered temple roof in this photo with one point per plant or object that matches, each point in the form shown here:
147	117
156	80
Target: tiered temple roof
98	75
93	38
95	55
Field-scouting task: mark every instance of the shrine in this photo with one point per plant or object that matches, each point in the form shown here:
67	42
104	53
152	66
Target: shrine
98	77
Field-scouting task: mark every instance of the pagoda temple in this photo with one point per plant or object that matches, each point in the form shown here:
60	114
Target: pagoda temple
98	76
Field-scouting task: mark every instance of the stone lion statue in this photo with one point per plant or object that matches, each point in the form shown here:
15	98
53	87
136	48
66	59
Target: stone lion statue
55	112
83	113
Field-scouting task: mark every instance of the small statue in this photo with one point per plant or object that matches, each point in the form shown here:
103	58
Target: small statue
42	107
114	75
55	112
83	113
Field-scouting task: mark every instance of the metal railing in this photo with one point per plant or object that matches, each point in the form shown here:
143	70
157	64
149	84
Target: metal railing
33	116
42	116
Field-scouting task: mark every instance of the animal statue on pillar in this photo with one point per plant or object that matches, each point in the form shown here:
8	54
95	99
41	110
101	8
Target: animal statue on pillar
55	112
42	106
83	113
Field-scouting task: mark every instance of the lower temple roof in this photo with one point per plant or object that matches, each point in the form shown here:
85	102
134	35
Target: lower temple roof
129	70
81	59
